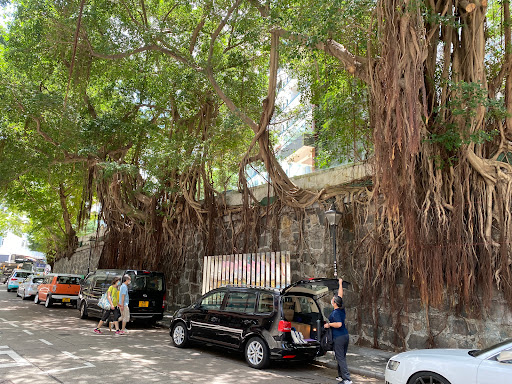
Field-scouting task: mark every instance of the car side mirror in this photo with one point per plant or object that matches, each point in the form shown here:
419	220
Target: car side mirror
505	357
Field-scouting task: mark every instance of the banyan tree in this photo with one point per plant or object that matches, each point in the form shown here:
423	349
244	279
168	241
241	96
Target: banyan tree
439	107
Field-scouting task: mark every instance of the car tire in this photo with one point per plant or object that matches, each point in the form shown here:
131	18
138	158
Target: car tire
427	377
36	299
48	303
257	353
83	310
179	335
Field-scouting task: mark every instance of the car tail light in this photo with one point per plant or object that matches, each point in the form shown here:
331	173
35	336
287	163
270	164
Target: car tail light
289	356
14	279
284	326
163	302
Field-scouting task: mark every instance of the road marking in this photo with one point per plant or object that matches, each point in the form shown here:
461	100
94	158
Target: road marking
14	325
70	355
1	318
86	365
27	332
46	342
18	360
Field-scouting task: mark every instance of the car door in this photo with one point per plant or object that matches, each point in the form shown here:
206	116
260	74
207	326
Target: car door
204	319
99	285
237	318
492	371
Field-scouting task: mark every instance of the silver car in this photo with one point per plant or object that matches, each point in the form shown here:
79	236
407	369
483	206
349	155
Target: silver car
28	287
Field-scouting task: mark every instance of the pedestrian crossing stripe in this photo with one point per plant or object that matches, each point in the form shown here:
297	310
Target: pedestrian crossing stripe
18	360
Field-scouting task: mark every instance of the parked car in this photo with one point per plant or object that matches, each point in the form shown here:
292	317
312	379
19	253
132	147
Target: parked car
260	322
147	293
491	365
17	276
60	288
28	287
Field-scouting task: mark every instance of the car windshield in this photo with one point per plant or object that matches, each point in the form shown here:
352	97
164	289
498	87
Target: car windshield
147	282
38	280
478	352
22	274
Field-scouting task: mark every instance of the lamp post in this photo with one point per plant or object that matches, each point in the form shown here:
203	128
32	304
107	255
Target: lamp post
333	218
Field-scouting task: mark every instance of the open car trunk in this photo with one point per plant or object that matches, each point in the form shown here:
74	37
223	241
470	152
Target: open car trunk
304	304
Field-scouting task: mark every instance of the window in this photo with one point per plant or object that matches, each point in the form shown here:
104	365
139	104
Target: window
213	300
266	303
38	280
68	280
100	282
241	302
22	275
48	280
148	282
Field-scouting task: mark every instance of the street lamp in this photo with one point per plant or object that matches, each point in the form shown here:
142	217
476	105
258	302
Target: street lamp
333	218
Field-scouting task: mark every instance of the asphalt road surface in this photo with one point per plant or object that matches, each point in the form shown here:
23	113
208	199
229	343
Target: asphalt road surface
41	345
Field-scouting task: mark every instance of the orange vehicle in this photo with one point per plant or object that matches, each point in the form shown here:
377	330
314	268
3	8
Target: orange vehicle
58	288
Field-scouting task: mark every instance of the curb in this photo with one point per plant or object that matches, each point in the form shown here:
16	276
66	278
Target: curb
355	370
329	361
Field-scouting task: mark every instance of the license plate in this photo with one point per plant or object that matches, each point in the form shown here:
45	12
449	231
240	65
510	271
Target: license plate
66	300
143	303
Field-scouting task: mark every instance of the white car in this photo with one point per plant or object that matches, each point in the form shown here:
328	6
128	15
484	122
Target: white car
491	365
29	286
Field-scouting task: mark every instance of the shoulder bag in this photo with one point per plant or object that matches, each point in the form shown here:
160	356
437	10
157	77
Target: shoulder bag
103	302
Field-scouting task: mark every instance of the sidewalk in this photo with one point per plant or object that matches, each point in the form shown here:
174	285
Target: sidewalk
363	361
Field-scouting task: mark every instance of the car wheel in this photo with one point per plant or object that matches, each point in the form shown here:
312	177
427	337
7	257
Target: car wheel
427	378
256	353
48	303
83	310
179	335
36	298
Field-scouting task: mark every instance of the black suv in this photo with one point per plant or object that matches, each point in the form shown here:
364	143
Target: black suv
266	324
147	293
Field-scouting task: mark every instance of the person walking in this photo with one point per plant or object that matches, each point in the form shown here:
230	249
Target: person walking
339	335
113	299
124	300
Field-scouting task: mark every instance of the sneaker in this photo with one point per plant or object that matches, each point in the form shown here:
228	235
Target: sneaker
96	330
347	381
119	332
339	378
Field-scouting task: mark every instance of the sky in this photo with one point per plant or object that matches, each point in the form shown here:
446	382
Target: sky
4	14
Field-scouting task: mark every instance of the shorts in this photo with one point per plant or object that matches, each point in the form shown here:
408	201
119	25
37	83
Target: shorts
114	312
125	314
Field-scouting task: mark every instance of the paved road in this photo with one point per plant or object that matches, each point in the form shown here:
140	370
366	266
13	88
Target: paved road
52	345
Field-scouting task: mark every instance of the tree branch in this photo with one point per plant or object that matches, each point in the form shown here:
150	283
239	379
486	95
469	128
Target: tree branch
354	64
